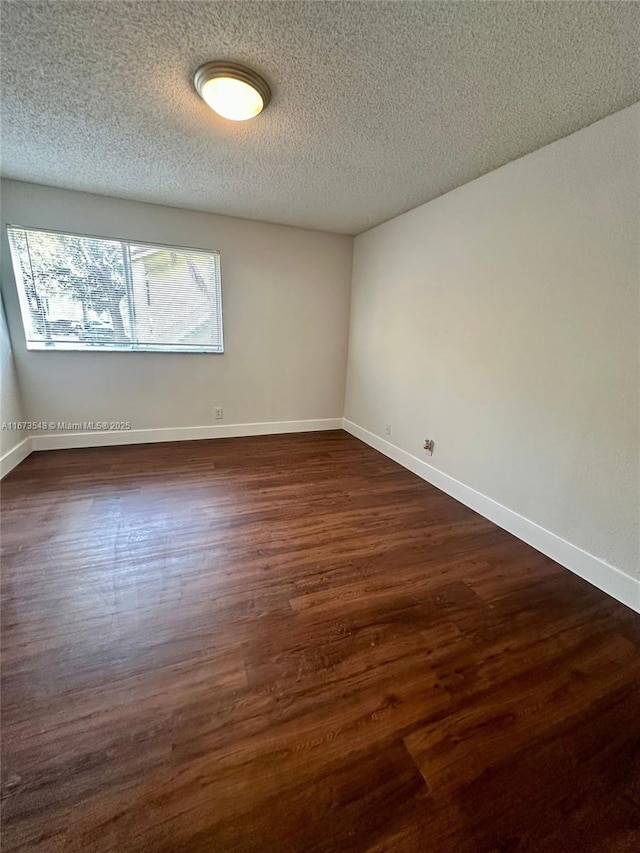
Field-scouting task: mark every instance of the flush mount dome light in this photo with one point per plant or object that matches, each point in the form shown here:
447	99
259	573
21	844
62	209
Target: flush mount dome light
231	90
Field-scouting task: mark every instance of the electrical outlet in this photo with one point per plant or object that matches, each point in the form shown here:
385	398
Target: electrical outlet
217	413
387	429
428	446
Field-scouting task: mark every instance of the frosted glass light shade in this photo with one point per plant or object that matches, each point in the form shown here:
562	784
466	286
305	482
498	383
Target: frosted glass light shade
232	91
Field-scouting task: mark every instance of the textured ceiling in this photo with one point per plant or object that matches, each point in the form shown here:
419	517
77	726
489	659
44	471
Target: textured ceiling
377	107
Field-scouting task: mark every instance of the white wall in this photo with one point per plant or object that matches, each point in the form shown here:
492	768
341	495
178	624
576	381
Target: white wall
286	310
501	320
11	409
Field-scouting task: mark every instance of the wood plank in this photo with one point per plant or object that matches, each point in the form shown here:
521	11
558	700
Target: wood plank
290	643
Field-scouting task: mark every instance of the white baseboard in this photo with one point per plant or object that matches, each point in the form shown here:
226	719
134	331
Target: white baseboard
64	441
13	457
615	583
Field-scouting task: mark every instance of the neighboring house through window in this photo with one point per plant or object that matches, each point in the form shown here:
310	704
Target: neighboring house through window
91	293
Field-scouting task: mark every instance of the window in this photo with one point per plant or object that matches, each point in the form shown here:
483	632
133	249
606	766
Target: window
90	293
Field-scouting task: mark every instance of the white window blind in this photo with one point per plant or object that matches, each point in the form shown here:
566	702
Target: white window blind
90	293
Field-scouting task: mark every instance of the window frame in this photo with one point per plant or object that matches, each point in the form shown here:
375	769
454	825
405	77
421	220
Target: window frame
58	346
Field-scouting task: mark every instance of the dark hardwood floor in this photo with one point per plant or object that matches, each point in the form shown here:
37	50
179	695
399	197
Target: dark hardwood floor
289	644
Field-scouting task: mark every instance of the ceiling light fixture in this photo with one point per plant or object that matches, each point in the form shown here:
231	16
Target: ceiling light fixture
231	90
